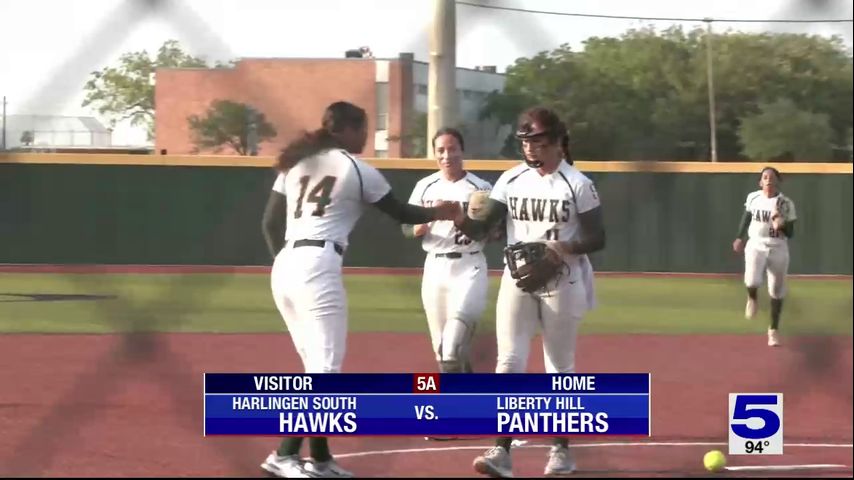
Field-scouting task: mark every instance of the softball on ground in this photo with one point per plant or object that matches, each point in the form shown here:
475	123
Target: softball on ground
714	461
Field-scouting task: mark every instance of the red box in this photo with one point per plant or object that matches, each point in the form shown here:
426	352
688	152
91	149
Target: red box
425	383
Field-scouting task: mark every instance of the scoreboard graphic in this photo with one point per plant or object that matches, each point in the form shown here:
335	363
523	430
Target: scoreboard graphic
429	404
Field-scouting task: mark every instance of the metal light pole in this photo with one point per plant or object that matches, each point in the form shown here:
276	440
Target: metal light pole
3	141
441	82
710	79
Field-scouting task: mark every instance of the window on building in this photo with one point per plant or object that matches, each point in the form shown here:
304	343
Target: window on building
382	105
382	121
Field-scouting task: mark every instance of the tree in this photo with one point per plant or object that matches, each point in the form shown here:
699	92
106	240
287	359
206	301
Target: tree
782	131
27	137
417	135
228	123
849	144
126	91
413	137
643	95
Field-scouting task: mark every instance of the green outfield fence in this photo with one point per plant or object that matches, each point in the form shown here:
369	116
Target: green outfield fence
206	210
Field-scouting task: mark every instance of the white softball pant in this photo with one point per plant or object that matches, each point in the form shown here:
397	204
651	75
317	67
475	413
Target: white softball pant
453	292
308	289
761	258
555	312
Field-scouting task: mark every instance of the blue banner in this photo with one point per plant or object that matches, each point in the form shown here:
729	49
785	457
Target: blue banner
428	414
351	383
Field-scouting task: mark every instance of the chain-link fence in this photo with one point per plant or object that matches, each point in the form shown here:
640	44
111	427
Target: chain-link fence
627	92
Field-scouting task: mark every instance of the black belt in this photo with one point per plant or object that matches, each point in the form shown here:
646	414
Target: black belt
453	254
317	243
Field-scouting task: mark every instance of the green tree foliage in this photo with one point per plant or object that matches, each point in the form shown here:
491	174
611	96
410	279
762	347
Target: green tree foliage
231	124
781	131
644	95
126	91
27	137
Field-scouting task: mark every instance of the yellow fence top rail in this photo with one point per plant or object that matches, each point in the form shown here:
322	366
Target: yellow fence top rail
416	164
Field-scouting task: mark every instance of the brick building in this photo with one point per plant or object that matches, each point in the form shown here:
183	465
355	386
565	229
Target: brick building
292	93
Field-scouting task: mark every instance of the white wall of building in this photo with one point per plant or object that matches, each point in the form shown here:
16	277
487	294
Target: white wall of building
484	138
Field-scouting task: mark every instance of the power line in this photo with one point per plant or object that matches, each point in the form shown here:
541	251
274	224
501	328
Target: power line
665	19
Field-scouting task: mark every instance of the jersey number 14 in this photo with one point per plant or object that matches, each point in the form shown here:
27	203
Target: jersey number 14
320	195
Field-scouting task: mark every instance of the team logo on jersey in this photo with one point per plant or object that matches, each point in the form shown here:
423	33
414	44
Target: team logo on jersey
430	203
539	209
762	216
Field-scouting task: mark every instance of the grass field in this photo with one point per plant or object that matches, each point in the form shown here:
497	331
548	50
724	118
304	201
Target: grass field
235	303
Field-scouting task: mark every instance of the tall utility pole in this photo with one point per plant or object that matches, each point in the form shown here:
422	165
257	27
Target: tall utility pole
3	141
713	136
441	83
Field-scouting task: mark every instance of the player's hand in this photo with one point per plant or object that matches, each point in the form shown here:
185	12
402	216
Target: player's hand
777	222
446	210
738	245
556	248
421	230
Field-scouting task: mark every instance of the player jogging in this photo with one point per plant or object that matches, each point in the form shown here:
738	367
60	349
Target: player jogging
454	284
768	221
320	193
552	210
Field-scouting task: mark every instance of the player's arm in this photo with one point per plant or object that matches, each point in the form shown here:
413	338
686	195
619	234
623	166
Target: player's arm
479	229
784	224
591	234
406	213
419	230
415	231
789	229
743	225
377	192
273	222
738	243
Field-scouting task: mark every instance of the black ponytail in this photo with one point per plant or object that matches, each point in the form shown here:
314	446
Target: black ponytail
337	117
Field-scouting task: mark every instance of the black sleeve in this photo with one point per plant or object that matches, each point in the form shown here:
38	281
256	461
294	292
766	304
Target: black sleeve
273	222
478	229
405	213
789	229
591	234
742	227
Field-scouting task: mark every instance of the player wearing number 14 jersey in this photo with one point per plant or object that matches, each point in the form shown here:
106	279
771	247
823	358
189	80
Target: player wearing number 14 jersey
321	191
454	285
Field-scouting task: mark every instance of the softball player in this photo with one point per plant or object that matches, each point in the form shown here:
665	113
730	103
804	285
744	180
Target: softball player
454	284
319	195
546	199
768	221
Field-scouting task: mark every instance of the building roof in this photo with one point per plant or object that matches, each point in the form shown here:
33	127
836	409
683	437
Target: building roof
55	123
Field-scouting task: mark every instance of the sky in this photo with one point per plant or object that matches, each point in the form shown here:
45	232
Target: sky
51	46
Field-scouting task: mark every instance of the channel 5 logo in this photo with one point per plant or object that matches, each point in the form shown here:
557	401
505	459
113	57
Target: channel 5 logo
755	423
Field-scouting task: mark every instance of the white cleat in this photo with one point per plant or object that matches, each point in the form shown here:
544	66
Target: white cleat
750	309
290	466
496	463
561	462
773	339
328	469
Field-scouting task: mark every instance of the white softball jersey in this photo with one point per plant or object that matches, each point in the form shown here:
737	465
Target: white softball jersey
761	209
546	207
443	236
327	194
